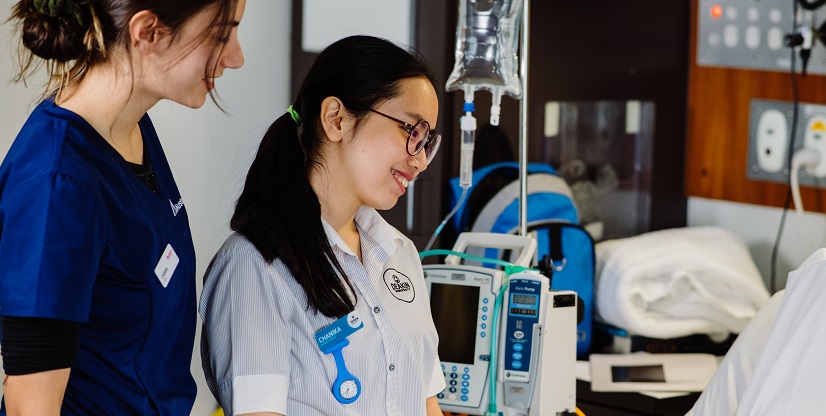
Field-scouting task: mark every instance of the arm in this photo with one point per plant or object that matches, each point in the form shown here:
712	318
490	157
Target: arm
244	308
36	394
433	408
37	354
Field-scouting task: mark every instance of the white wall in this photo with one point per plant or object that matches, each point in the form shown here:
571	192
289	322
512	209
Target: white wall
209	152
758	225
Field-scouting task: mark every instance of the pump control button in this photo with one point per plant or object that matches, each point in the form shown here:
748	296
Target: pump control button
517	356
518	334
517	347
516	364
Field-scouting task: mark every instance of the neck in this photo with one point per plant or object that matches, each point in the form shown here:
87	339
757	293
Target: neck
110	100
338	210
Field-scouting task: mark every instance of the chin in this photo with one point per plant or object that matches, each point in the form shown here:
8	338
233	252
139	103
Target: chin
194	102
385	205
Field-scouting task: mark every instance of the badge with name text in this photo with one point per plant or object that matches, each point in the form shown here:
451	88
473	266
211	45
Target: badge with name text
166	265
338	330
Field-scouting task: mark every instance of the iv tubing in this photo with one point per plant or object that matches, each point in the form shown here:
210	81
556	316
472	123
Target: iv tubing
494	362
468	127
507	266
447	218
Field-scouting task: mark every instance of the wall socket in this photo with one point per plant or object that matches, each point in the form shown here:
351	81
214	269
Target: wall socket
770	127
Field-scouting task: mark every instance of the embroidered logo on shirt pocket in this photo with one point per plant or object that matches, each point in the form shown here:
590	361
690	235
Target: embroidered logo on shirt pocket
399	285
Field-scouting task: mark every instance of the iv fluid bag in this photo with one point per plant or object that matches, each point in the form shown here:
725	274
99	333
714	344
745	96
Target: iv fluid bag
487	38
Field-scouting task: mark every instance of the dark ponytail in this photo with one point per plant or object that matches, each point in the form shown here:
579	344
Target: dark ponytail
278	211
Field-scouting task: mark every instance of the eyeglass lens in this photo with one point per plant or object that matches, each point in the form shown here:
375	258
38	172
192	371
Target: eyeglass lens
420	138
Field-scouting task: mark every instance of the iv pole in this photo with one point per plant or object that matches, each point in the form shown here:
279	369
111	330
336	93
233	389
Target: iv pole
523	123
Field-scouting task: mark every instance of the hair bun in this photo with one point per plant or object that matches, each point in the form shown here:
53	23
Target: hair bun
55	38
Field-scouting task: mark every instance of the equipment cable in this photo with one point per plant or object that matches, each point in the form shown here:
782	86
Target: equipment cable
786	205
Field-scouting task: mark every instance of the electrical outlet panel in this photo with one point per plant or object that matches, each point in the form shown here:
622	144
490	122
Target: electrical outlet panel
770	125
814	137
772	140
748	34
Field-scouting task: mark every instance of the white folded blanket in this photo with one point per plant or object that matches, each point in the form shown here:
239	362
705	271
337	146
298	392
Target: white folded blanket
678	282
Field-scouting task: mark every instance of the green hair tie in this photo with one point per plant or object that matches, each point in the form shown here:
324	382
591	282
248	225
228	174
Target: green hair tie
61	8
294	115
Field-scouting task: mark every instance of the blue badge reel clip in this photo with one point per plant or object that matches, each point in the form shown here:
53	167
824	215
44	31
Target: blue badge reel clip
332	340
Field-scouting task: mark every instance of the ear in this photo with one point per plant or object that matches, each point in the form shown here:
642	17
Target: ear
146	31
335	119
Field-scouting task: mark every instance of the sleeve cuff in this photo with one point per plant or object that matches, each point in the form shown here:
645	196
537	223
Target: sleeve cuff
256	393
437	380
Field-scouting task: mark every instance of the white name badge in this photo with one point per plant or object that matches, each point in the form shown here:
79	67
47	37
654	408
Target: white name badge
166	265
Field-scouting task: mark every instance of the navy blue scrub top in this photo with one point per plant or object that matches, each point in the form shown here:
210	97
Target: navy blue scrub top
80	239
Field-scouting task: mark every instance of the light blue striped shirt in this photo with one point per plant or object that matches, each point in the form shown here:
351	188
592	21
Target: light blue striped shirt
258	350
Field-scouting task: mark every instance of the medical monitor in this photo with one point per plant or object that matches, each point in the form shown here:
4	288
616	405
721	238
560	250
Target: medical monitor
461	302
455	311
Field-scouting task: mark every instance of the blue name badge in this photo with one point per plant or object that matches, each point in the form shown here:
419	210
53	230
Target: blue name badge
338	331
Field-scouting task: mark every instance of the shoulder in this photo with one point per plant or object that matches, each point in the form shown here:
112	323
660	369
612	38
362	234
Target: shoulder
239	263
237	256
239	273
53	141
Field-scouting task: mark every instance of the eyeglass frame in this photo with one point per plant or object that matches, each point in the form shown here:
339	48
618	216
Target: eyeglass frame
409	128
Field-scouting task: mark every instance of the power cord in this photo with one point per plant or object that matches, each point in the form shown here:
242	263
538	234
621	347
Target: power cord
795	110
808	158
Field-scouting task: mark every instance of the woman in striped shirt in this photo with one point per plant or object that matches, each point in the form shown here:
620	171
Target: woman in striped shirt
309	248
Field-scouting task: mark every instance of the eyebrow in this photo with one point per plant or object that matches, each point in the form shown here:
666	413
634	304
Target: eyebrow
415	116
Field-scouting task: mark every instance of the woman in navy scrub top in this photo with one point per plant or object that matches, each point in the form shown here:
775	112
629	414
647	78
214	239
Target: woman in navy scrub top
97	266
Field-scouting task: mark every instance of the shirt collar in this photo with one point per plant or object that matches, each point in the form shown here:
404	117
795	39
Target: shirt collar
376	227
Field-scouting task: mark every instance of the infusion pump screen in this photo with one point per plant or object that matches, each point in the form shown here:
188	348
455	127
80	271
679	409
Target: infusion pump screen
455	311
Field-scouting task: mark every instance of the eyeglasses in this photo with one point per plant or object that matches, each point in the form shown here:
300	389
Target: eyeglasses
418	137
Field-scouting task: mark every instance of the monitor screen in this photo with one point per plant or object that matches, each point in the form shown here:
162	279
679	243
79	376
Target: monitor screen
455	311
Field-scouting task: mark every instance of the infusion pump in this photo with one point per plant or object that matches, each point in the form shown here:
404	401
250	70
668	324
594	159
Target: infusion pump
482	313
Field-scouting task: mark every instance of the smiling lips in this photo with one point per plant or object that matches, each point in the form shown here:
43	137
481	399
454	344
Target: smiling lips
401	178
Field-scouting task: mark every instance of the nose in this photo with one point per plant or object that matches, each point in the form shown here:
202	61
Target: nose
418	162
232	56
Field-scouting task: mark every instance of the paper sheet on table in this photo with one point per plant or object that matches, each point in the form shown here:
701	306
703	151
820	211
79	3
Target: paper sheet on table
651	372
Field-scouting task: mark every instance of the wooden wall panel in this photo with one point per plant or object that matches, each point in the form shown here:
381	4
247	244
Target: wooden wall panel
717	136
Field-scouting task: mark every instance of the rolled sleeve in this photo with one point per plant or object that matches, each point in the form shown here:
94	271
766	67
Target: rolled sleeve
247	339
259	393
